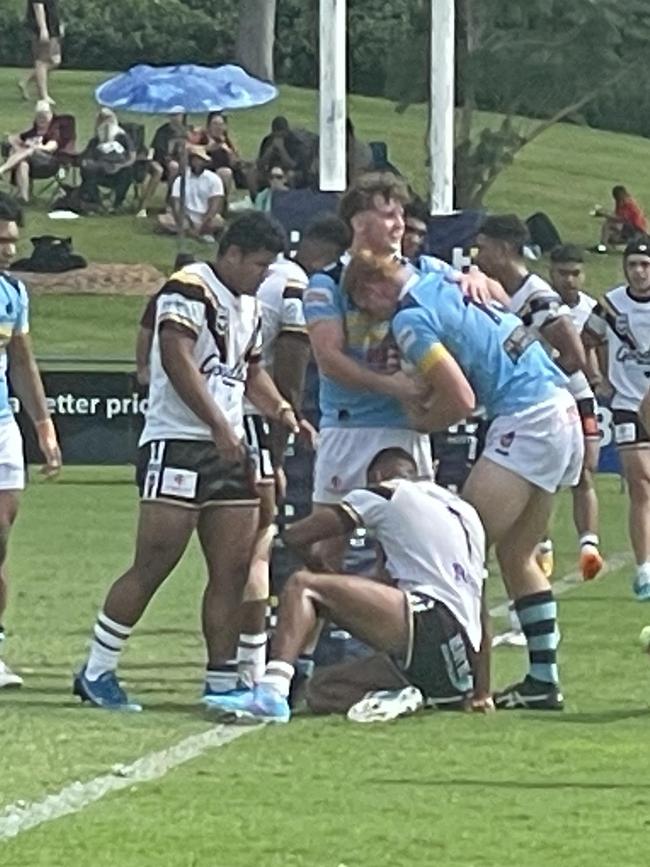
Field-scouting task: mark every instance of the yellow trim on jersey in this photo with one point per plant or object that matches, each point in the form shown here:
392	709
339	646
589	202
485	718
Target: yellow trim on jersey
188	278
295	329
181	320
433	356
351	513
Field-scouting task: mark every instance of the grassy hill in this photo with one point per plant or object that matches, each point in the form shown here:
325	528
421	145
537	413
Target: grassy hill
563	173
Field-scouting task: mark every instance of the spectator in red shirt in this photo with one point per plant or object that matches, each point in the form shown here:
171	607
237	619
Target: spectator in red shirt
627	221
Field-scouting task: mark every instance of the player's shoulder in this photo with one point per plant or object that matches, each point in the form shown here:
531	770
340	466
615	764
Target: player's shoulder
329	277
289	271
617	299
534	286
425	264
586	301
13	284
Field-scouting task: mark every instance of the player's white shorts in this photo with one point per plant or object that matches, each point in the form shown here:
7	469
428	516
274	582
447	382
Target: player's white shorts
544	444
12	462
343	456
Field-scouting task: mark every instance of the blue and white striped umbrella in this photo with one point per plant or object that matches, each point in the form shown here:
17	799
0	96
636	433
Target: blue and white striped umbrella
186	88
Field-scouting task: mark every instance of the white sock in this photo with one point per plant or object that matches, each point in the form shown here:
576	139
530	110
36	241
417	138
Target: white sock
222	678
589	539
545	546
643	572
251	657
513	617
108	641
278	676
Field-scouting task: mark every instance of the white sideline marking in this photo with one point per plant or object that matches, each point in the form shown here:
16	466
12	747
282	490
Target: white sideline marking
21	816
572	580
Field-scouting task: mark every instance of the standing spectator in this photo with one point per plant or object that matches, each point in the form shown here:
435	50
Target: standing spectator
627	221
107	161
415	229
33	152
166	146
204	200
46	30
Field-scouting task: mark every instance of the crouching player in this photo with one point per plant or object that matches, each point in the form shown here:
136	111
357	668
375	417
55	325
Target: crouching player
426	623
469	353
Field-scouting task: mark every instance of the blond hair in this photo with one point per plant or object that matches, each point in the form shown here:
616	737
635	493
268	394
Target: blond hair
366	267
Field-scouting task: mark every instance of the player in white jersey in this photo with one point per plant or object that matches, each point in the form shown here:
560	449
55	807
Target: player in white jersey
501	241
567	273
17	358
619	327
285	355
194	468
428	619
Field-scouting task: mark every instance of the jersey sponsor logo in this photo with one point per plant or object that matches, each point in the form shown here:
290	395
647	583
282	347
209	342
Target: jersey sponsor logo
637	356
213	366
405	339
179	483
507	440
622	323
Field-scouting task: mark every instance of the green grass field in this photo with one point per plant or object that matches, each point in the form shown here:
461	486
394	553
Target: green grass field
513	789
564	172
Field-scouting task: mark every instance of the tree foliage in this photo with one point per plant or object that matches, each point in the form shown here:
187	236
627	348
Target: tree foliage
545	59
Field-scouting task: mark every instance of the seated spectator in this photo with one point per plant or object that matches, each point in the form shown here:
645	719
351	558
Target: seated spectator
288	149
33	152
276	180
226	161
627	221
416	218
107	161
359	154
166	147
202	209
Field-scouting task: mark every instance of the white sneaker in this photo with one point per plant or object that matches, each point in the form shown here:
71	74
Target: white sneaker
386	704
142	214
511	638
8	679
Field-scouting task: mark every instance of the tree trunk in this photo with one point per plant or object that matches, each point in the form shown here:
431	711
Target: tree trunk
256	36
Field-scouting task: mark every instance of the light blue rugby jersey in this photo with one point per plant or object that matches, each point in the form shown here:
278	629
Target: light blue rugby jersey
507	368
14	319
367	342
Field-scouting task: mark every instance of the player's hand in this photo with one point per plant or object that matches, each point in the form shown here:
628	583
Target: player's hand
287	418
48	443
473	283
280	479
230	446
392	360
402	387
480	704
307	434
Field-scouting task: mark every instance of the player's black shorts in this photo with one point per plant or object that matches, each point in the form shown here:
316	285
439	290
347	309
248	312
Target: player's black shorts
439	660
258	438
193	473
628	430
587	411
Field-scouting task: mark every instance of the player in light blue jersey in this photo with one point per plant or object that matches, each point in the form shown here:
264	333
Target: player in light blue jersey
360	384
467	353
16	356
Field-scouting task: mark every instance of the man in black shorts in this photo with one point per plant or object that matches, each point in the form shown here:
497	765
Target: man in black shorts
194	470
425	621
46	31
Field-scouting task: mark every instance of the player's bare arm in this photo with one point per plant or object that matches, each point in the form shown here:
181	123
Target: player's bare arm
264	394
176	353
301	537
27	383
292	352
561	333
450	397
142	352
328	344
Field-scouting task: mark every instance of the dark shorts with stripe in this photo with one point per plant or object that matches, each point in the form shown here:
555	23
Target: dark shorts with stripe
439	661
629	432
192	473
258	438
587	412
